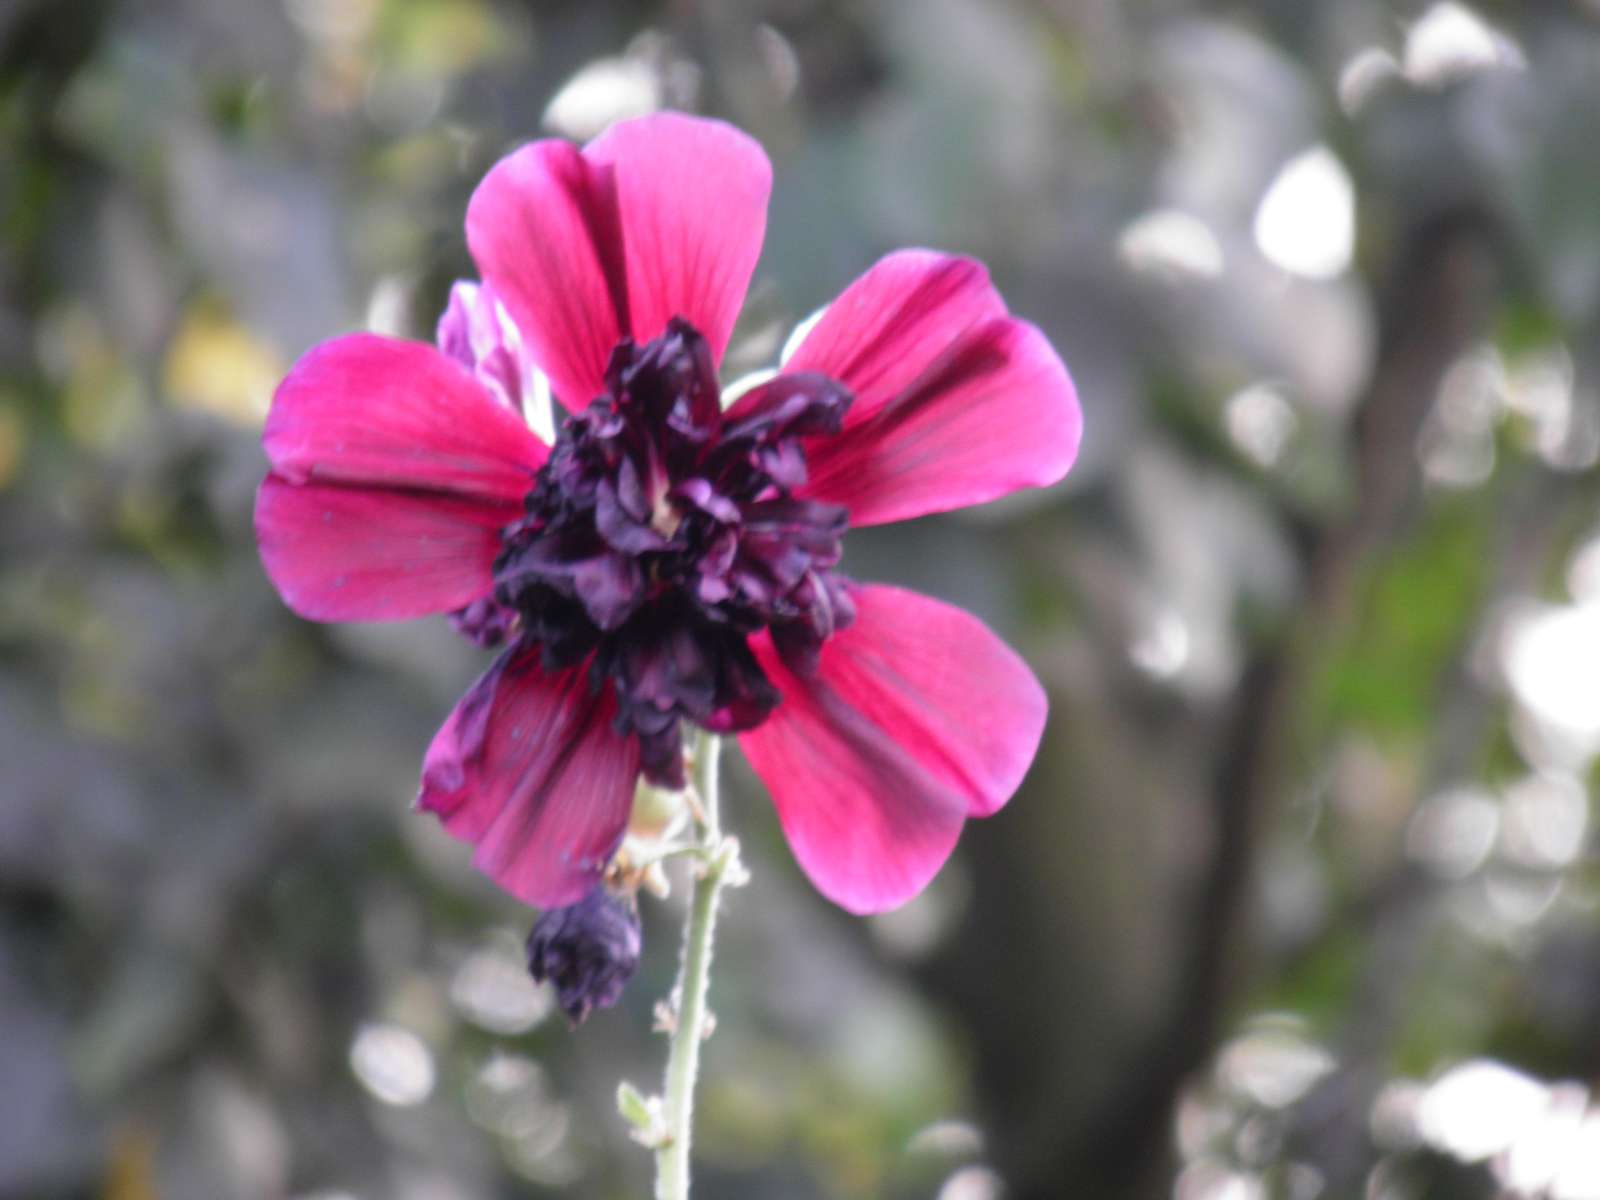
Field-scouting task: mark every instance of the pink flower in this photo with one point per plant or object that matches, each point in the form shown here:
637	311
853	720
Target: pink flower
666	561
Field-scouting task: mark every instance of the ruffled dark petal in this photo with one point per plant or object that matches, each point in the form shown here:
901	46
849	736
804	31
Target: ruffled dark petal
485	622
662	534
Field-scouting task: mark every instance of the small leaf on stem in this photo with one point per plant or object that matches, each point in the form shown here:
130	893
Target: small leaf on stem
644	1114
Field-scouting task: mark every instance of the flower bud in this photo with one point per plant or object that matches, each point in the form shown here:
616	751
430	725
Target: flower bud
588	951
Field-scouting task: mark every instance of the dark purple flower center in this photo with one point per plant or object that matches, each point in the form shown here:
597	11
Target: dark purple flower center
663	532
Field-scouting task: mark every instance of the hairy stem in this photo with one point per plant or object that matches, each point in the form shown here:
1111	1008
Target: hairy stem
694	978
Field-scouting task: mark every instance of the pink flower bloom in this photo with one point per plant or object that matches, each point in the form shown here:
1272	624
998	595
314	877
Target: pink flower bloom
666	561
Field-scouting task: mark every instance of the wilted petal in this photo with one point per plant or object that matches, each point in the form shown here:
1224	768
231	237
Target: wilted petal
917	717
475	332
955	402
469	328
529	769
587	951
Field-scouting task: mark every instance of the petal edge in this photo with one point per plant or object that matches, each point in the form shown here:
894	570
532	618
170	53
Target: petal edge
529	770
369	554
957	403
375	411
875	764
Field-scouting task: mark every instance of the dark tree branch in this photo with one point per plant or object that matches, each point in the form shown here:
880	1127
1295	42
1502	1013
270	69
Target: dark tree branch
1437	305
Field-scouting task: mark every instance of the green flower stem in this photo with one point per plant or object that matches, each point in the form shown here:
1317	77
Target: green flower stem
694	978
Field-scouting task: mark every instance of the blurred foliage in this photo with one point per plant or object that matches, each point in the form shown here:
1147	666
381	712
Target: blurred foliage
1414	612
1300	899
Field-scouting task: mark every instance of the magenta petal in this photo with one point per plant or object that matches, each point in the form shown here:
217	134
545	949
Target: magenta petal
956	403
374	411
887	326
394	471
659	217
918	717
529	769
370	554
692	201
543	229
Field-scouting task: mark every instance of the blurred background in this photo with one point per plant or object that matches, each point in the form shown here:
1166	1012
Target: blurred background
1302	898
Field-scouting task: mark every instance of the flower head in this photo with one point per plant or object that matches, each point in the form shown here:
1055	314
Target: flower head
665	560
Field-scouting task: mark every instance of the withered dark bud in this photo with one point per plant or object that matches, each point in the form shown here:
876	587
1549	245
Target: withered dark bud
588	951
